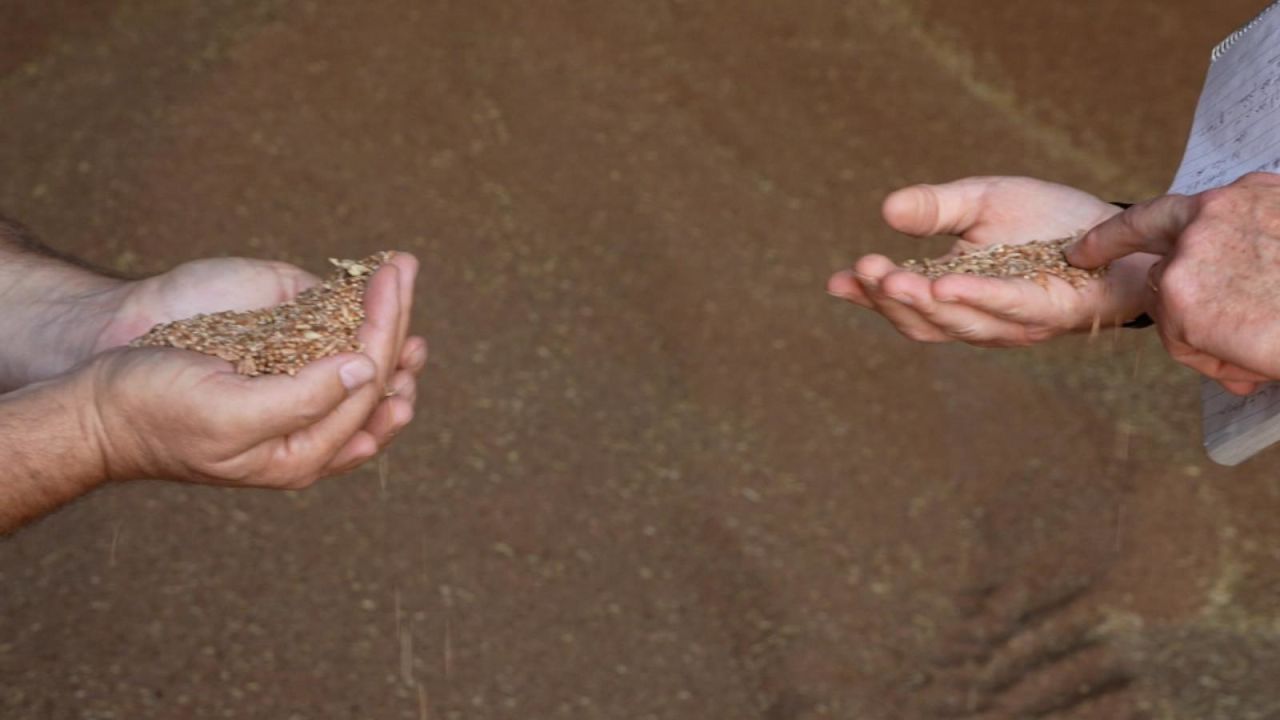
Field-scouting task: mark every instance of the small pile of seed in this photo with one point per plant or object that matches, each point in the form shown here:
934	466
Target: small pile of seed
1038	261
321	321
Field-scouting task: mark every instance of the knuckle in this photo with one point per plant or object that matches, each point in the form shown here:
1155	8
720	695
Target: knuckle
1217	199
968	333
894	283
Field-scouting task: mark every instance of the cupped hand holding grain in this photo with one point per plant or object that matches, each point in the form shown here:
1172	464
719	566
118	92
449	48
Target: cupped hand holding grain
177	414
984	212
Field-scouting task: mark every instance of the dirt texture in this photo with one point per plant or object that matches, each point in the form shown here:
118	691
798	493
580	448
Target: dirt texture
657	472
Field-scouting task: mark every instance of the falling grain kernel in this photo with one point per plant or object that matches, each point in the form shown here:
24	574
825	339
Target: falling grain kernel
424	712
115	540
406	658
321	321
1036	261
448	648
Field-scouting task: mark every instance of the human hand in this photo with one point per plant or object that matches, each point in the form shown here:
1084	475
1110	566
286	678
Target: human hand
182	415
215	285
992	312
1216	308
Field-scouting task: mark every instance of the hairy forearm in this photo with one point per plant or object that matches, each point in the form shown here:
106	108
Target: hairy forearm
52	308
49	450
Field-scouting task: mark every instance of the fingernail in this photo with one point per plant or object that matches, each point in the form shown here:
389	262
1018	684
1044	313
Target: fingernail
904	299
356	374
839	296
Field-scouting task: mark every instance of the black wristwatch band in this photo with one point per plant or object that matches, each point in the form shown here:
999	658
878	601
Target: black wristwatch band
1144	320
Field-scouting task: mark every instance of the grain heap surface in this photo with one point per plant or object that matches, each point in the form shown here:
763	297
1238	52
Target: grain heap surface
321	321
1038	261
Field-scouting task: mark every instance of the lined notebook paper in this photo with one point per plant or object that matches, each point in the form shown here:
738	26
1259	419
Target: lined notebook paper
1237	131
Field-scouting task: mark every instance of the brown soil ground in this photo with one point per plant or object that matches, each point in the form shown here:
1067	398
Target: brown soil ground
657	472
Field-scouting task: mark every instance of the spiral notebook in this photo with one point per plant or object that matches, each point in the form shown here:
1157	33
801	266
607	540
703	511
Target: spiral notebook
1237	131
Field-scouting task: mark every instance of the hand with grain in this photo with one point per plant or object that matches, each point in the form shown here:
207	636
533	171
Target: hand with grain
178	414
993	312
1217	307
87	411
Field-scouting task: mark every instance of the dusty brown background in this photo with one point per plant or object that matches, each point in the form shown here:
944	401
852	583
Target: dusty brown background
656	473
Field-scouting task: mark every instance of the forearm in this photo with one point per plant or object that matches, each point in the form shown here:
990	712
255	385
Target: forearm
49	451
51	309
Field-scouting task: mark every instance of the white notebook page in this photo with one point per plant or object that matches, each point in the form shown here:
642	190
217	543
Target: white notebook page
1237	131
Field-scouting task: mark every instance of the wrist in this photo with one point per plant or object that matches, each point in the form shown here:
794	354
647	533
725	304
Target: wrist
60	412
112	446
85	316
54	316
50	448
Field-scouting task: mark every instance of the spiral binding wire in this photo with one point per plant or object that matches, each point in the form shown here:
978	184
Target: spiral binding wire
1225	45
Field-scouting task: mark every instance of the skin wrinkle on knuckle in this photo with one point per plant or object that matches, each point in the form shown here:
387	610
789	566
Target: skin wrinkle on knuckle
966	333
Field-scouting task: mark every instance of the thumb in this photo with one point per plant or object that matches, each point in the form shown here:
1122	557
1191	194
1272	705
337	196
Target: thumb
1153	227
947	209
277	405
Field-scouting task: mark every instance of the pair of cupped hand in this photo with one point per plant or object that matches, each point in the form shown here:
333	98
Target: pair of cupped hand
1205	267
176	414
